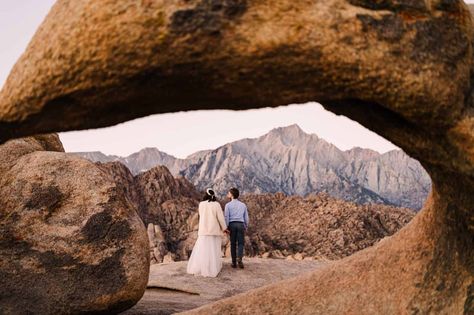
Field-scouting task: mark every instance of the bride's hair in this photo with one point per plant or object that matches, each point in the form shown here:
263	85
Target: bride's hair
210	195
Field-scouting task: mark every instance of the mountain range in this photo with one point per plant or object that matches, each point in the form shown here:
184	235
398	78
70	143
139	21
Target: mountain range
288	160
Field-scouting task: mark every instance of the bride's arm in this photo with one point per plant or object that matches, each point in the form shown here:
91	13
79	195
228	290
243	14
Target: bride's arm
220	218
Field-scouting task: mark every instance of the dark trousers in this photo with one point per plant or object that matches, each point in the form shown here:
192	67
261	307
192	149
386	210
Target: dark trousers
237	239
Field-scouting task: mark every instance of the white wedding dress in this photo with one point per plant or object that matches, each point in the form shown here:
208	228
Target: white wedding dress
206	257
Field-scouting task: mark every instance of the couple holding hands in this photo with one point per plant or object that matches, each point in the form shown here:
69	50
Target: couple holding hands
206	256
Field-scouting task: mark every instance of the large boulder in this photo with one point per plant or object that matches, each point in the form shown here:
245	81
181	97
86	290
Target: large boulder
14	149
70	242
402	68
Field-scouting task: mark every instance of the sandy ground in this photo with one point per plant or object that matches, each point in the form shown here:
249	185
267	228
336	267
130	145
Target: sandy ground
171	289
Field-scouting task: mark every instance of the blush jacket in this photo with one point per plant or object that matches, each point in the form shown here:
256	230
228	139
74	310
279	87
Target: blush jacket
211	218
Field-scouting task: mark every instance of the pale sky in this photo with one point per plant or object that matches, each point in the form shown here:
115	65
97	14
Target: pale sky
179	134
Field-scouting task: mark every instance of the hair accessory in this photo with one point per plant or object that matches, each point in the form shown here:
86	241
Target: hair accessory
210	192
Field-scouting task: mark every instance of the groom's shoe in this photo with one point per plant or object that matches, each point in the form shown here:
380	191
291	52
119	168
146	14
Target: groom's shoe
234	265
241	264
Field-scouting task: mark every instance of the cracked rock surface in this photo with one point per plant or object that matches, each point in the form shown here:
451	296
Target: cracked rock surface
70	241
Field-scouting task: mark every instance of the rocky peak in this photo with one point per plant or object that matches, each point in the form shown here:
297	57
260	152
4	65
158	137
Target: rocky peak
291	134
97	156
163	186
146	159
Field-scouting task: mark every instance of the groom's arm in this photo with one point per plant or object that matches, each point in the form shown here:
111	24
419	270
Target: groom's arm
226	214
246	217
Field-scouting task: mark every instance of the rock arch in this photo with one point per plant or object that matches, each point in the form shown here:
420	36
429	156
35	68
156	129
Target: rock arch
402	68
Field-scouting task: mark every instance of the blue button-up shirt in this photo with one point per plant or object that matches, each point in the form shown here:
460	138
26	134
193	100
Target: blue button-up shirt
236	211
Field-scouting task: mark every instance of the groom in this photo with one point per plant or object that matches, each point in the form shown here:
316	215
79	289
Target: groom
237	220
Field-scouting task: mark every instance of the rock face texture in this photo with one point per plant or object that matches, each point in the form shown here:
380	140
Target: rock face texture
166	205
157	243
401	68
291	161
171	204
70	241
318	225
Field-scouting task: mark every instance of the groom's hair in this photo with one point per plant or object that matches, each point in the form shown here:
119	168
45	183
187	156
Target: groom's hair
234	192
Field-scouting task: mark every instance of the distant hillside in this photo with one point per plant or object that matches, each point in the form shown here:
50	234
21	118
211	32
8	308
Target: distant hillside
280	225
291	161
318	225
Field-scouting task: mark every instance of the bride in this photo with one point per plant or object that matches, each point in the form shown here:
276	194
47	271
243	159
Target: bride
206	257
